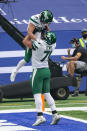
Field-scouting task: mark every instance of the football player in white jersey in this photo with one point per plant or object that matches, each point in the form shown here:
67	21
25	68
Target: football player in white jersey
38	25
41	74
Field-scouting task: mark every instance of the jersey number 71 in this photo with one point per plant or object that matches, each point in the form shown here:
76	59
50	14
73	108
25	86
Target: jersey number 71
47	54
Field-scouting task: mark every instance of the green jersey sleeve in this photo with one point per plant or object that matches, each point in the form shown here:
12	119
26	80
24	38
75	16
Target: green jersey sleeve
28	54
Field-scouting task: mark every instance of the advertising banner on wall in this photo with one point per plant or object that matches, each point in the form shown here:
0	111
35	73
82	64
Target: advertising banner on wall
68	15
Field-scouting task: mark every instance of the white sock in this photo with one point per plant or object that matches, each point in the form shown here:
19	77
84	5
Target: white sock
38	102
50	101
20	64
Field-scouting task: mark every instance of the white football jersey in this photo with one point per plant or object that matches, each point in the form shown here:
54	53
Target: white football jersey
40	53
35	19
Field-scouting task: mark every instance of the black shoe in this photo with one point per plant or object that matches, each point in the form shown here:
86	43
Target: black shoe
68	75
74	95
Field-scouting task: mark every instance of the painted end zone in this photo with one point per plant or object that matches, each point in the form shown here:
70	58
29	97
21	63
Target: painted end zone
22	121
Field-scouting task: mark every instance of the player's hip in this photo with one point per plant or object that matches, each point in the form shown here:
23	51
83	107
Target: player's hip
41	73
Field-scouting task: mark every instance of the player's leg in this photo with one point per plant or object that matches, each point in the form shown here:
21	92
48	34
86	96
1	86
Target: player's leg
51	103
71	67
21	63
37	90
49	98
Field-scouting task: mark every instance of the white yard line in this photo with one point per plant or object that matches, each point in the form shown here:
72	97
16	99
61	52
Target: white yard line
15	106
71	118
47	109
73	104
69	109
17	110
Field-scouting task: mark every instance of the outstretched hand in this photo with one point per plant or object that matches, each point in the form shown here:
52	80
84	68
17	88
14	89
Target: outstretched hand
63	57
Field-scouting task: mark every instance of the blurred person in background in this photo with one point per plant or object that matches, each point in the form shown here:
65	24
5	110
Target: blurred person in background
83	40
78	60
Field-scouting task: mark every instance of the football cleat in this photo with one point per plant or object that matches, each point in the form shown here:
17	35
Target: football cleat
39	121
55	119
13	75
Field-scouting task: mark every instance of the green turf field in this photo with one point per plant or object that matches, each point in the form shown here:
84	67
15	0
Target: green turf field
71	102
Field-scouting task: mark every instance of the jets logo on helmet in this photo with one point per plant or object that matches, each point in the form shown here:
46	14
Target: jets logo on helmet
46	16
50	38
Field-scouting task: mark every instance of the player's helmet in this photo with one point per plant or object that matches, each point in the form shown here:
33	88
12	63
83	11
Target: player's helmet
50	38
46	16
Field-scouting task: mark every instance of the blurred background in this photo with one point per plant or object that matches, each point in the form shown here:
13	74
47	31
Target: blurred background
69	19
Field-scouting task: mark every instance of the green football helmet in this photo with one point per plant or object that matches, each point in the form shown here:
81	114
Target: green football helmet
46	16
50	38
